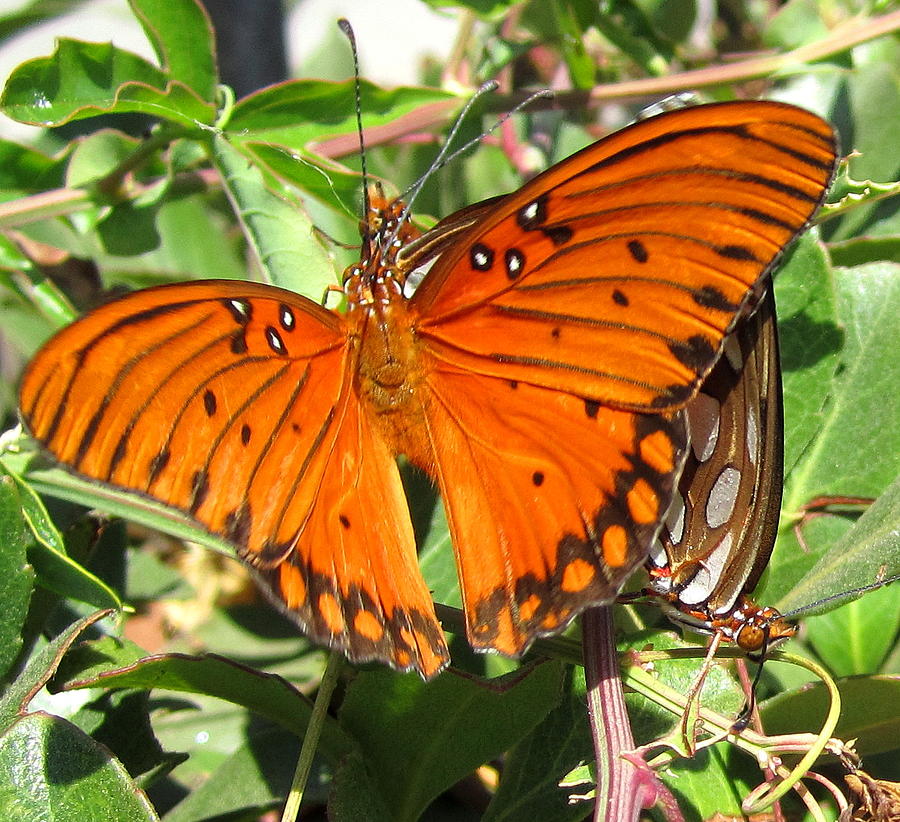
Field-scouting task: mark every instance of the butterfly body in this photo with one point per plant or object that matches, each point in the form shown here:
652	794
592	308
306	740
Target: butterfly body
538	374
388	364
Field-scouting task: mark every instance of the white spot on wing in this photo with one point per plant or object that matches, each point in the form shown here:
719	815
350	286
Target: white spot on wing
723	496
709	573
675	517
415	277
703	424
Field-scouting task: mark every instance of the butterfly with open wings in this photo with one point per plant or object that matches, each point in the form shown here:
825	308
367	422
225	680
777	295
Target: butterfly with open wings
538	375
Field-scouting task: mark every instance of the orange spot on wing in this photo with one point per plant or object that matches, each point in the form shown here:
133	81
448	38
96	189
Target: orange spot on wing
330	611
528	608
292	585
366	624
552	621
658	451
615	546
577	575
643	504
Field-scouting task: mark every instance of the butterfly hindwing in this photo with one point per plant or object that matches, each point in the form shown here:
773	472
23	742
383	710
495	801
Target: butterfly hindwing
722	529
551	499
351	574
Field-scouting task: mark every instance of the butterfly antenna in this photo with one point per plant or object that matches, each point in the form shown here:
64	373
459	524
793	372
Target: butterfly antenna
444	156
843	595
347	29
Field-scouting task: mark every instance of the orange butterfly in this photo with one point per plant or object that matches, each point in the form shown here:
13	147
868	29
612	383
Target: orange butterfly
537	374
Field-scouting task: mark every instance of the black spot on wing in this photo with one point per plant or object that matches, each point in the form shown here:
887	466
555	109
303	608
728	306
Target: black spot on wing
559	235
514	260
638	251
199	490
619	298
209	403
241	310
481	258
737	252
274	340
286	317
533	215
695	352
157	466
711	297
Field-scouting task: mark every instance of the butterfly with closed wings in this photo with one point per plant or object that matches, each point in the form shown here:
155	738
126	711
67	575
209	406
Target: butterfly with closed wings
538	375
720	530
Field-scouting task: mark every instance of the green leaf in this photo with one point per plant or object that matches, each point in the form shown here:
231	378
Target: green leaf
60	483
810	342
114	664
255	778
97	155
281	234
873	89
16	576
851	456
300	112
34	12
86	79
409	731
42	665
534	768
865	553
354	794
866	250
182	37
24	170
857	638
334	185
52	770
869	712
54	569
841	451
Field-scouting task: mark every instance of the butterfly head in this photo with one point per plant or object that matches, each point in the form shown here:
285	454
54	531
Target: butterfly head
755	629
385	231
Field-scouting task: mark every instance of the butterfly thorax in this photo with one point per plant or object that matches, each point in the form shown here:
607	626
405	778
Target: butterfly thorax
388	372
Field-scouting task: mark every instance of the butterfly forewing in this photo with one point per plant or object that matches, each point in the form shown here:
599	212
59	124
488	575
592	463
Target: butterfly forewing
616	274
233	402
